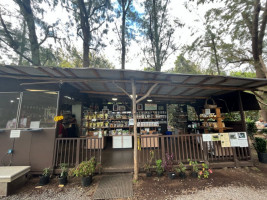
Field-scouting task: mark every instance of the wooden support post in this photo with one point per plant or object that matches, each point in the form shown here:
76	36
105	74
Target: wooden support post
243	121
134	102
77	153
135	130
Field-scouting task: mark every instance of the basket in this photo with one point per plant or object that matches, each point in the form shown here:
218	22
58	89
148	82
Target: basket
208	106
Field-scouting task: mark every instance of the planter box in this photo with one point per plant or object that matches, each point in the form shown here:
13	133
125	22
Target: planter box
262	157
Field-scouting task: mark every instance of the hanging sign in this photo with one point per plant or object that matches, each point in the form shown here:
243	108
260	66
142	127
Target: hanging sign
131	122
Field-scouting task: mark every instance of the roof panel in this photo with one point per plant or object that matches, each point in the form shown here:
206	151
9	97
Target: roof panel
235	82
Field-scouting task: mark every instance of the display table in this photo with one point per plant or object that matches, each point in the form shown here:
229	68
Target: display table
150	140
122	141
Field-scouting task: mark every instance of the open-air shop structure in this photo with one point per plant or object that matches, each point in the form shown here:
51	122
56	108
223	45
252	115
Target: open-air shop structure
32	96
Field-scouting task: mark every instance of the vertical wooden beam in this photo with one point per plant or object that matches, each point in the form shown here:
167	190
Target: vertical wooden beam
135	130
243	121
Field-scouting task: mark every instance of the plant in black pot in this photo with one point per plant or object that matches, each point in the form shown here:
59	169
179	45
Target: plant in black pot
260	146
159	167
148	165
181	170
86	170
168	165
44	179
194	165
63	178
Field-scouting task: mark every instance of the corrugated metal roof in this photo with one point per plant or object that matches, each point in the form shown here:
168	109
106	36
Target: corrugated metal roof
100	81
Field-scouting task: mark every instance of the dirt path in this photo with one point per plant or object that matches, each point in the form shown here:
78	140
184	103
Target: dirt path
240	183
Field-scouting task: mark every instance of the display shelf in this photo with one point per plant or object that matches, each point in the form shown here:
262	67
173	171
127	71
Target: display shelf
218	119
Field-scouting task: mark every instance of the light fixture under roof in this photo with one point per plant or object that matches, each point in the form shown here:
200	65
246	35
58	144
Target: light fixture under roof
114	99
132	96
149	100
34	90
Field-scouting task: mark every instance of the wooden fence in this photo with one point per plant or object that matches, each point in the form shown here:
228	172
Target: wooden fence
183	147
189	146
75	150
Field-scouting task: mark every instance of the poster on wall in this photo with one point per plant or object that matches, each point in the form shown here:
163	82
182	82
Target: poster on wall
150	106
215	137
242	139
234	139
206	137
225	140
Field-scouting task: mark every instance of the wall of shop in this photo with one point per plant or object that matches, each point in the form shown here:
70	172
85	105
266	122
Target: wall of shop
33	149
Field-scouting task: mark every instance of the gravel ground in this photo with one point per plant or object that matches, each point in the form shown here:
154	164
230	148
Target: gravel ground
227	193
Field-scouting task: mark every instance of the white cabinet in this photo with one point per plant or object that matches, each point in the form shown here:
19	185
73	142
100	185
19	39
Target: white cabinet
126	141
122	141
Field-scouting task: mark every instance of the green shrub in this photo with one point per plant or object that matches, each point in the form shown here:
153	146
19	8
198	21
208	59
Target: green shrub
251	128
260	145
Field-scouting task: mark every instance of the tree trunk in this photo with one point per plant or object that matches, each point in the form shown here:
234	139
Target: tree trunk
155	22
85	27
22	46
123	48
25	8
135	131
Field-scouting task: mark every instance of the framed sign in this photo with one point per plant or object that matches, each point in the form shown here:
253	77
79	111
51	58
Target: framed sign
150	106
115	107
122	108
139	106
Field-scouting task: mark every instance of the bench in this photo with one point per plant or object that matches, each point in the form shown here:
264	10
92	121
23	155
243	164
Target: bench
12	177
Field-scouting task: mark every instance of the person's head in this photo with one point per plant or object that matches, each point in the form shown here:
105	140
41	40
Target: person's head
73	116
261	119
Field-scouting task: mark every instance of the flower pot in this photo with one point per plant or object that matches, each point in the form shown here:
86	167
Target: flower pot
63	180
148	174
171	175
44	180
262	157
159	174
86	181
182	175
194	174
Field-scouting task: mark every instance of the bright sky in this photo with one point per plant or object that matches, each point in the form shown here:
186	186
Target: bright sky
134	55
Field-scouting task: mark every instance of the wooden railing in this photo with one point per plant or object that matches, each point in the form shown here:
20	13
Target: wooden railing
189	146
75	150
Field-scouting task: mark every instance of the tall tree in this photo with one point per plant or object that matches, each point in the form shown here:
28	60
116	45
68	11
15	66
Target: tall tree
90	16
126	30
158	30
18	40
182	65
244	21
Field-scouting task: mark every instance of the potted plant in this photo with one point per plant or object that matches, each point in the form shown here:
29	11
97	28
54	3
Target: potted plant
159	168
44	179
86	170
181	170
148	165
63	178
168	165
194	164
205	171
260	146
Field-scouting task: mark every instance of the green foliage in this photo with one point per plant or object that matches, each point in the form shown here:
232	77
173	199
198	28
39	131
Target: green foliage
185	66
251	128
260	145
159	167
148	165
158	31
205	171
245	74
181	168
85	168
64	169
194	165
46	172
